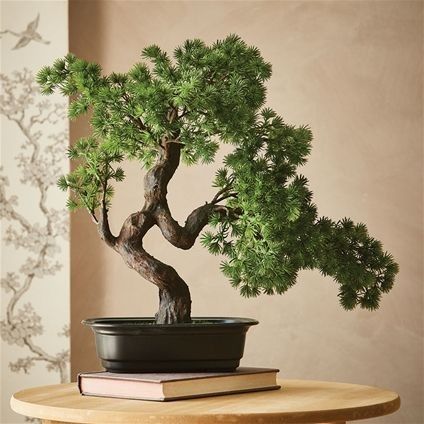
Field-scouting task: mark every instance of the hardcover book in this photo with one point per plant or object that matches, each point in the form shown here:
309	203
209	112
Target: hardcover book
174	386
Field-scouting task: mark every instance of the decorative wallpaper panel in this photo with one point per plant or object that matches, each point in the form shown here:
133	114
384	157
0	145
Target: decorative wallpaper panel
34	321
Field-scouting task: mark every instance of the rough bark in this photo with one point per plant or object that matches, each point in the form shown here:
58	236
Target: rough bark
174	294
175	301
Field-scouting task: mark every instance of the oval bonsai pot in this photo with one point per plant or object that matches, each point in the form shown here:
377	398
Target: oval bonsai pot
141	345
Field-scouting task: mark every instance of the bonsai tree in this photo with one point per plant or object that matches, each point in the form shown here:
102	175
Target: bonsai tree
262	217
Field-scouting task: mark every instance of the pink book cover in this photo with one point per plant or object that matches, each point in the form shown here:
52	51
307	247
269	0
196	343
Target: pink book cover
150	386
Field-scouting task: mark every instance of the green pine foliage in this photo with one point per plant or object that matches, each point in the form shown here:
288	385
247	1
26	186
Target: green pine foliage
268	228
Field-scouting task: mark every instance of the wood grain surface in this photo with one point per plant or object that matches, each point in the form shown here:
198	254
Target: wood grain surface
299	401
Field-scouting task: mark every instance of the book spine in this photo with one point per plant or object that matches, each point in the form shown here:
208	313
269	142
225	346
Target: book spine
79	383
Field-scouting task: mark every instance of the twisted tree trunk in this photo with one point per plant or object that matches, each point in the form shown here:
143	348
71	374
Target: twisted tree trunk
174	294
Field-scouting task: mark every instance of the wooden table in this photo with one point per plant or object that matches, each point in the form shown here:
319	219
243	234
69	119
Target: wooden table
298	401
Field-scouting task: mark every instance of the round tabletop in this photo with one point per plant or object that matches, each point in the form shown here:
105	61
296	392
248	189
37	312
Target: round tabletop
298	401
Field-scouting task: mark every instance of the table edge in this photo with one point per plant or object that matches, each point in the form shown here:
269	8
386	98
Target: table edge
344	414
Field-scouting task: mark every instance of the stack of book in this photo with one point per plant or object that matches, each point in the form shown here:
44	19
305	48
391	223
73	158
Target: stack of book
174	386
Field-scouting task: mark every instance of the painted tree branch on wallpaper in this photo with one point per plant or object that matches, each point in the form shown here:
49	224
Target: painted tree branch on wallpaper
36	240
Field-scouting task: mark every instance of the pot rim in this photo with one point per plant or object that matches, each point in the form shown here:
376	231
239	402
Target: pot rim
148	322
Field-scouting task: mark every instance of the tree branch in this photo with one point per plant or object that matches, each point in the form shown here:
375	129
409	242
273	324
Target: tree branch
225	196
103	224
185	237
8	211
104	228
137	121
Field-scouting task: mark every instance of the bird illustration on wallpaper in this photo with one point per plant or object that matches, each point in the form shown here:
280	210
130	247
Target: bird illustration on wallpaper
36	241
27	35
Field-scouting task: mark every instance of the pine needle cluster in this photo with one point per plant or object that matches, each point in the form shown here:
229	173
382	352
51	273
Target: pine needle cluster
268	228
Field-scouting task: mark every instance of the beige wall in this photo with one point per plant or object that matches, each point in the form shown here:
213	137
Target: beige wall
34	243
353	71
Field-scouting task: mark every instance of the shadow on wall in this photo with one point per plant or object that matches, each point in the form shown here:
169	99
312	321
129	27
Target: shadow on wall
87	250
